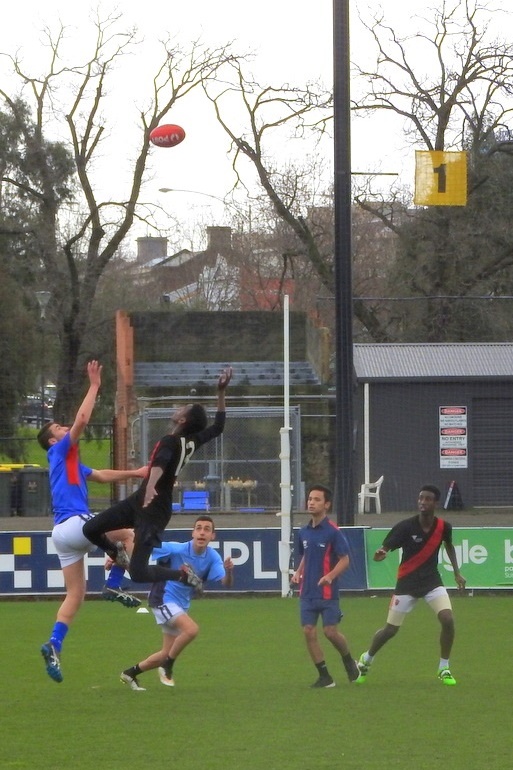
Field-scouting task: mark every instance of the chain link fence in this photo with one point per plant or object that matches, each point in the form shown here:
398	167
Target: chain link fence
241	469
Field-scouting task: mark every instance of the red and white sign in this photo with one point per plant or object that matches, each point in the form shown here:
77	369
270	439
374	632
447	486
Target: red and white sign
453	436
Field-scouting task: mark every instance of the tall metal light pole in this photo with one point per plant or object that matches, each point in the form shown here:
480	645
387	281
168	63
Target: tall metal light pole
345	499
43	298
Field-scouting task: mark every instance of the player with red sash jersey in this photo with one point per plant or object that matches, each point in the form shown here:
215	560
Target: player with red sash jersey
420	538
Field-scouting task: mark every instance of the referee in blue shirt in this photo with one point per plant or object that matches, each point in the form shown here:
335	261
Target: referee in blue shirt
324	556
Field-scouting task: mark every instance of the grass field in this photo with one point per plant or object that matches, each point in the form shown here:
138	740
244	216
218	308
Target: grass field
243	699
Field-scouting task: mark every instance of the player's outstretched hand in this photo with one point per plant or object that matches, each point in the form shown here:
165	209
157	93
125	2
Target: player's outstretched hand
94	372
224	378
380	554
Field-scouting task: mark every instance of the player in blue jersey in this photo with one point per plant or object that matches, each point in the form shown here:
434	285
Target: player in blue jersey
149	509
324	556
68	485
420	537
170	601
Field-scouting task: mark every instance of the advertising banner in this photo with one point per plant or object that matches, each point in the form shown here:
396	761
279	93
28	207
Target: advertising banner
29	564
485	557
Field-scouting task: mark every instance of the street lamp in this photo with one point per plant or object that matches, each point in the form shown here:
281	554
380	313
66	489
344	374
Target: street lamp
43	298
194	192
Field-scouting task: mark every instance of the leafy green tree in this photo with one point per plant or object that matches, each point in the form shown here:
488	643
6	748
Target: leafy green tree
17	372
454	262
20	350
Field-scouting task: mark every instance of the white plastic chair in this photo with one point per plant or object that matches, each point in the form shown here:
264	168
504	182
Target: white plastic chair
367	493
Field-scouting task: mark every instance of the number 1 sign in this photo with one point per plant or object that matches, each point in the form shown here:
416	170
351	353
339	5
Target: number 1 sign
440	178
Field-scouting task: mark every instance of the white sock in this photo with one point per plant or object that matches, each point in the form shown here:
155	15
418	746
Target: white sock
367	659
444	663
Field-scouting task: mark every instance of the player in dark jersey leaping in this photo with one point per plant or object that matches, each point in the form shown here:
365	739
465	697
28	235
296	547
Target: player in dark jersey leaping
148	510
420	537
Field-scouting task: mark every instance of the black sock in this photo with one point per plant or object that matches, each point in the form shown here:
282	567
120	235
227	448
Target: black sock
107	546
322	669
350	667
134	671
168	667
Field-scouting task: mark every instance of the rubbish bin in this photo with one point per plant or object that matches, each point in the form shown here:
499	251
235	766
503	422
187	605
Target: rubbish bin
8	492
34	492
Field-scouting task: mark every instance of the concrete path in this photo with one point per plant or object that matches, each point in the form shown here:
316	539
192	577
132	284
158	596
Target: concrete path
475	518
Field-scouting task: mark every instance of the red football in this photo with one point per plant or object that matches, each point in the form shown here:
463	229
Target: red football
167	135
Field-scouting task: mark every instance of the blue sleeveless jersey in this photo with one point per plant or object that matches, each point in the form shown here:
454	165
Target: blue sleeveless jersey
68	480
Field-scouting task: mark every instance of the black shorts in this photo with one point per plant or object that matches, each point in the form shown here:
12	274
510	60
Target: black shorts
150	522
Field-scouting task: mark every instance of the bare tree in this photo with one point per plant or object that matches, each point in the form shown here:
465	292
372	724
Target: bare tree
267	111
446	80
451	85
299	193
464	102
74	97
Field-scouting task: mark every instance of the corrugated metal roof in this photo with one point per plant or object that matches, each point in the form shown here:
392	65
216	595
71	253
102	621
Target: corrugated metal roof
433	360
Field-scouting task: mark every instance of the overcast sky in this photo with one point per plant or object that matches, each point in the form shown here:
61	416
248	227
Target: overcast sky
291	40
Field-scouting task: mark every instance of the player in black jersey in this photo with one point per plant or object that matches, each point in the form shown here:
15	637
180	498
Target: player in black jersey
148	510
420	538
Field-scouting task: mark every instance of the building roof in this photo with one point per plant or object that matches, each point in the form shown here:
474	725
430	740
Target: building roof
433	361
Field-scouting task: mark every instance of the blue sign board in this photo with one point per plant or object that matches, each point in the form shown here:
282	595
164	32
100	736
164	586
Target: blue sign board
30	566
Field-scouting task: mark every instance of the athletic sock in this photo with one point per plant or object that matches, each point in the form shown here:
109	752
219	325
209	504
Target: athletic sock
115	577
367	659
168	667
444	663
133	671
350	666
59	632
322	669
107	546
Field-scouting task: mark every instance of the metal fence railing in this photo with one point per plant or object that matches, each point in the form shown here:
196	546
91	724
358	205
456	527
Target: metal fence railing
241	469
